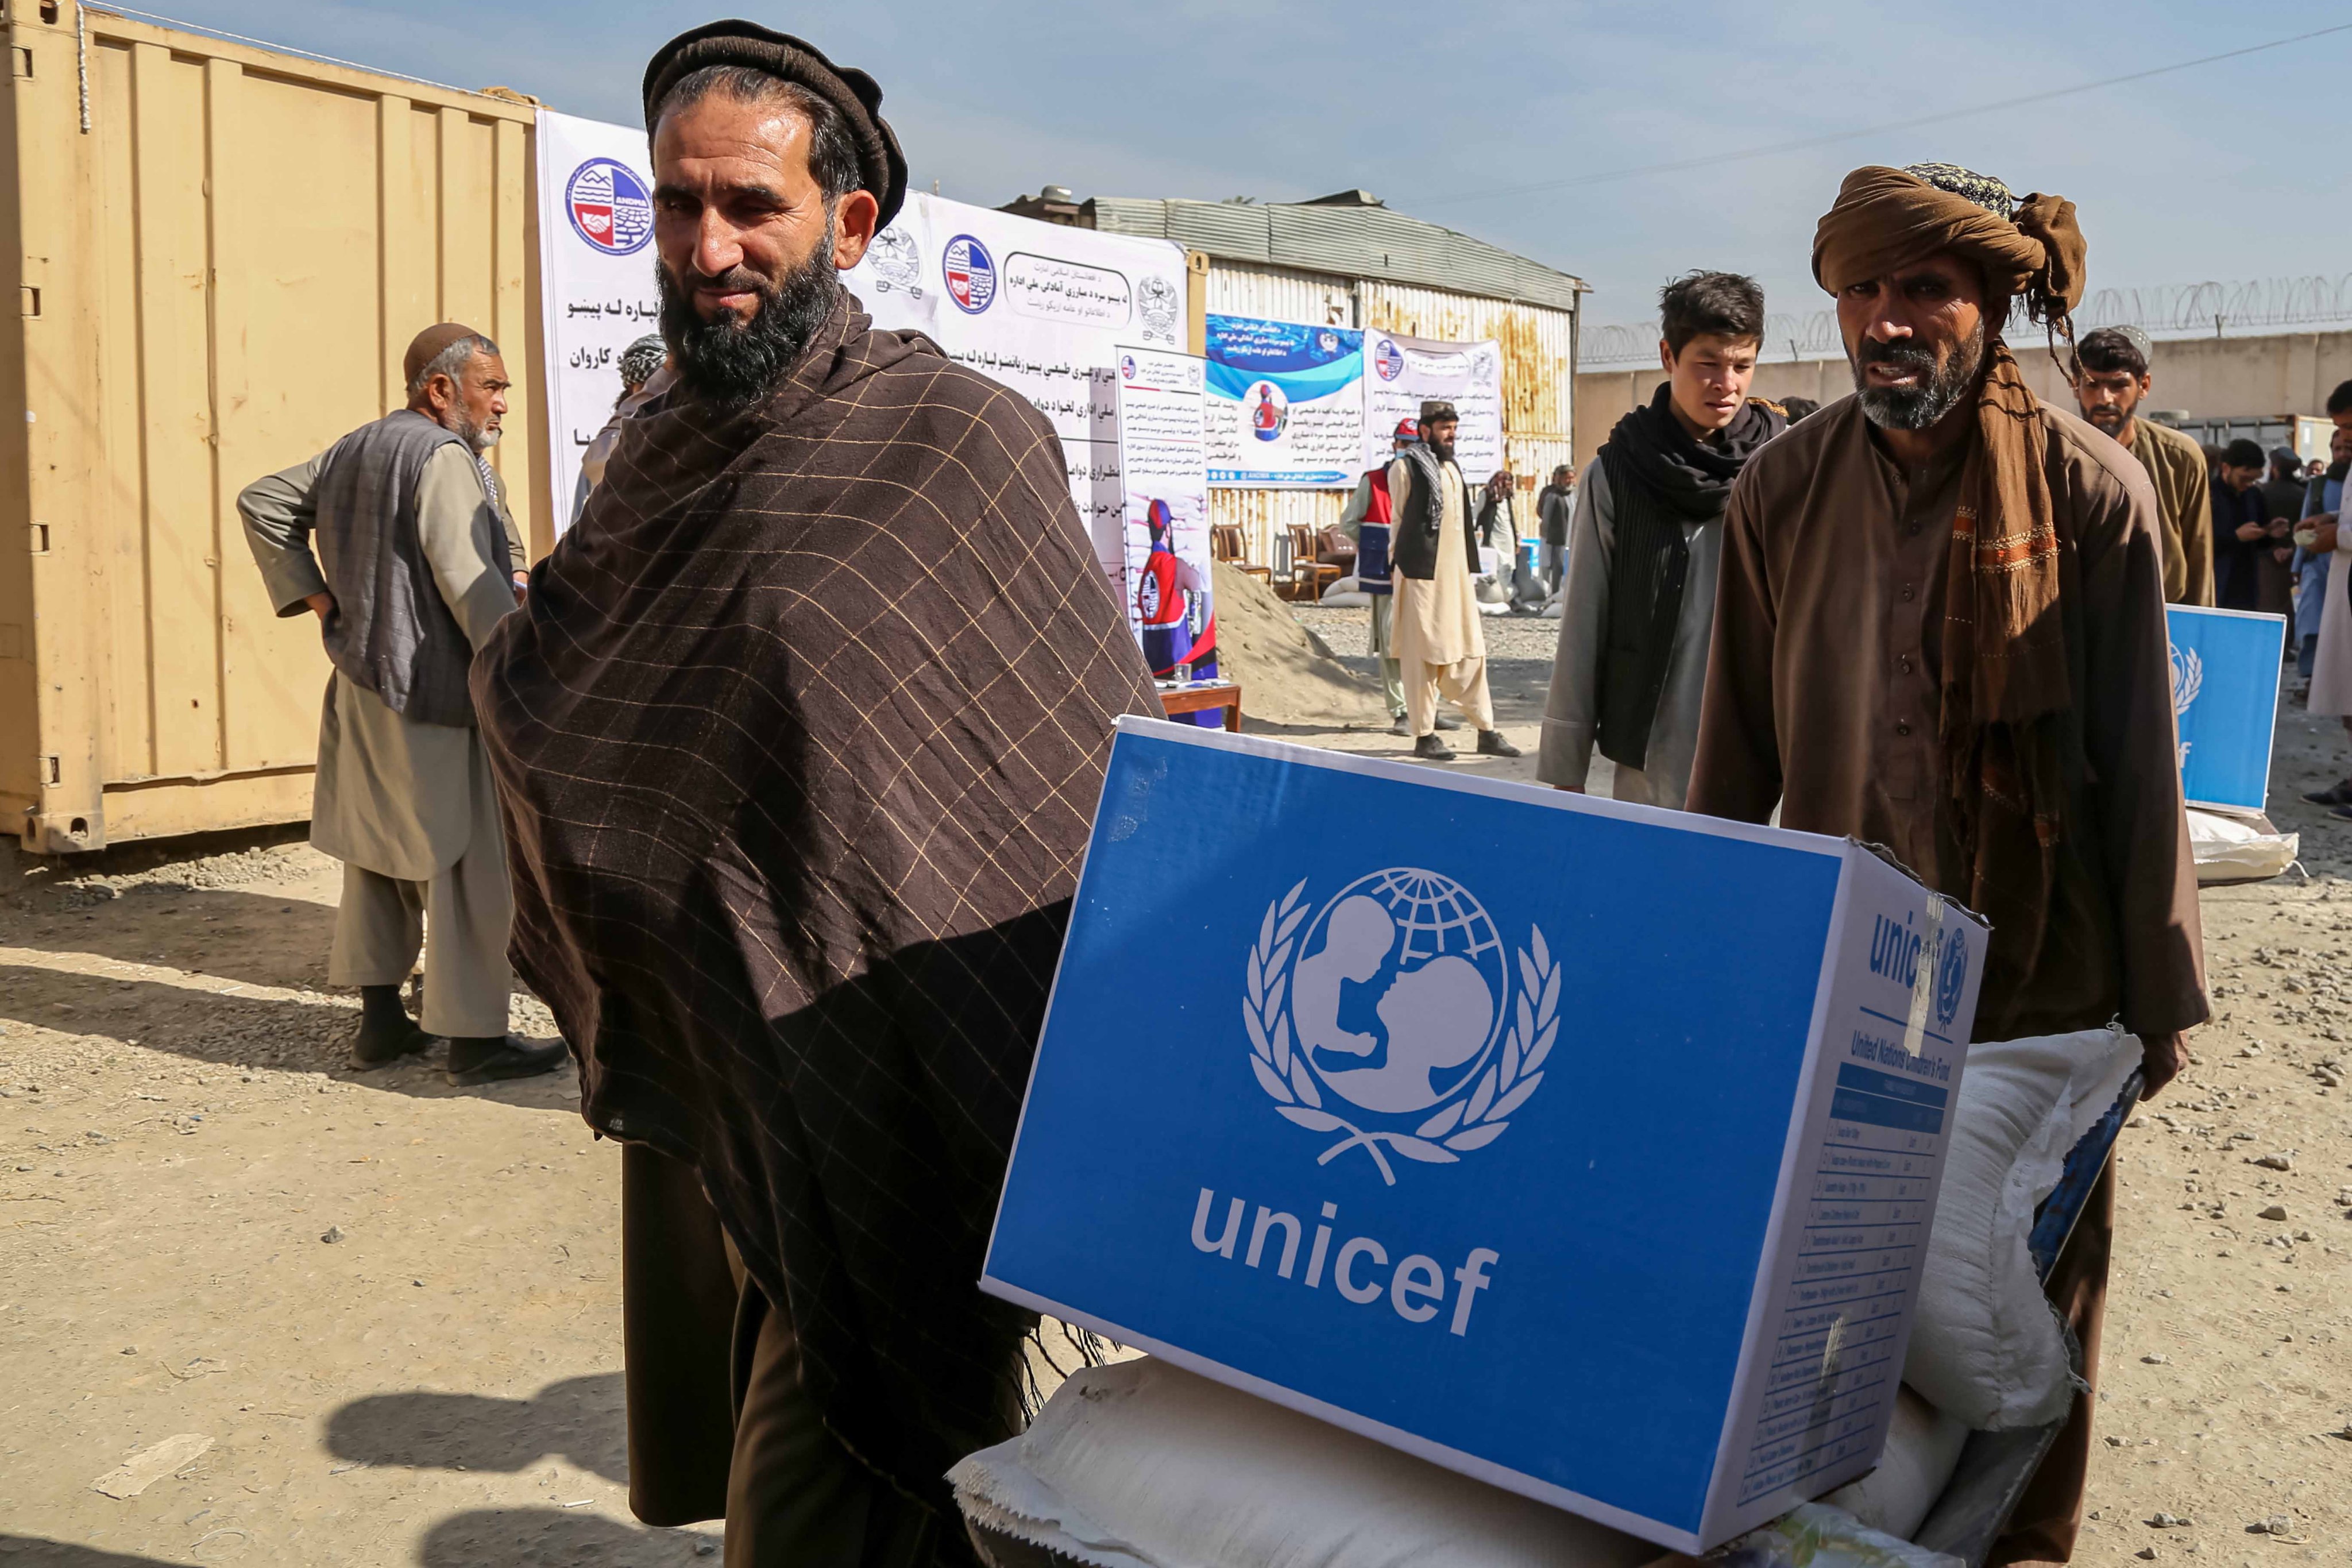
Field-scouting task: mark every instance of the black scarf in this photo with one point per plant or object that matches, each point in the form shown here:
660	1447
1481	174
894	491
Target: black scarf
1661	477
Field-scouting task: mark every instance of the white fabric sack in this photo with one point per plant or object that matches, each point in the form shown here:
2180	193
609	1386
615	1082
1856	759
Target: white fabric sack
1986	1346
1923	1449
1818	1535
1142	1465
1345	593
2235	849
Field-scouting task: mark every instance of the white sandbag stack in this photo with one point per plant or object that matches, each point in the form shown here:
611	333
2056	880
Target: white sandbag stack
1987	1346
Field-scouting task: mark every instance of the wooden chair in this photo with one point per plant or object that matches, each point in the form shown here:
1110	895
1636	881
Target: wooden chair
1309	572
1332	544
1225	545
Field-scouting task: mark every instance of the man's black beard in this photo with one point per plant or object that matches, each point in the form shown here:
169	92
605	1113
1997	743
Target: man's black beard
2110	419
730	363
1941	387
1444	450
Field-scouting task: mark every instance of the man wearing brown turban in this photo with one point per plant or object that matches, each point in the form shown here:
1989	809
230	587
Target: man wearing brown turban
801	733
1940	628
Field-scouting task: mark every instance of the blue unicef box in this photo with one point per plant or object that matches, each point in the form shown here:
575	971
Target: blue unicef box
2225	682
1583	1147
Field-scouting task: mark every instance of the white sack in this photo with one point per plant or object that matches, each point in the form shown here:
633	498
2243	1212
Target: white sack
1816	1535
1986	1346
1142	1465
1923	1449
2234	850
1348	592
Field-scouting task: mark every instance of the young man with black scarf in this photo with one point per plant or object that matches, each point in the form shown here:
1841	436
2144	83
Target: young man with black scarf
1640	600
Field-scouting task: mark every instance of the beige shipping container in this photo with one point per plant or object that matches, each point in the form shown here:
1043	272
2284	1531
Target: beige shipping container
221	253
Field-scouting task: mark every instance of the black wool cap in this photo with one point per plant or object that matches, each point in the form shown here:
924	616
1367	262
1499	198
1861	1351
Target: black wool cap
857	96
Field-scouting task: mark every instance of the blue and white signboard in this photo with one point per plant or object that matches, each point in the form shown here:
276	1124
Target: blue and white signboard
2225	680
1586	1149
1286	403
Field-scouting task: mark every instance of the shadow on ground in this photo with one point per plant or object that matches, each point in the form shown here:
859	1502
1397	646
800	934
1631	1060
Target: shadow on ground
582	1419
548	1538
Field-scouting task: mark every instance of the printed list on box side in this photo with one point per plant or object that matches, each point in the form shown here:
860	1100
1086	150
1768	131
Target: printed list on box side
1865	1209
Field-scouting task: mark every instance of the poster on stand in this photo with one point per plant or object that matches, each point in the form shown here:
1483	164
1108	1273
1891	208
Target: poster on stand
1043	308
2225	682
1399	372
1285	403
1163	465
596	283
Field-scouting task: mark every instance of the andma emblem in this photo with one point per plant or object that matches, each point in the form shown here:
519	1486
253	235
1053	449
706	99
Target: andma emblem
610	207
1389	1017
1388	360
970	274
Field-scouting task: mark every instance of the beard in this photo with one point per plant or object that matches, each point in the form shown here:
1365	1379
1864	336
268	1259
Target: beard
1941	384
479	438
729	363
1444	450
2109	418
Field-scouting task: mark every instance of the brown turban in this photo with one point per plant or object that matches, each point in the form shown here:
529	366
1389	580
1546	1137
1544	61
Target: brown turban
1885	218
882	166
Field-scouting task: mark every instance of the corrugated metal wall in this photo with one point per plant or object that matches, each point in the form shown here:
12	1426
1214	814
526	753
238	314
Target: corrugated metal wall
1539	345
229	264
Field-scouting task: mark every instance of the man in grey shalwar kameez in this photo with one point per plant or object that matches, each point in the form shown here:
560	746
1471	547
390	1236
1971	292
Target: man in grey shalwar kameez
418	558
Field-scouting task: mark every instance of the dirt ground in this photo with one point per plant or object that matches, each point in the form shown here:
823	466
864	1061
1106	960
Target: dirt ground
394	1308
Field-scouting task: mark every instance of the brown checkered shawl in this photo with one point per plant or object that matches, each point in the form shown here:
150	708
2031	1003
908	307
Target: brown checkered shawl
799	738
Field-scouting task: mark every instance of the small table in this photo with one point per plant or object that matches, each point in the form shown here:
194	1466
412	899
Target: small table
1194	696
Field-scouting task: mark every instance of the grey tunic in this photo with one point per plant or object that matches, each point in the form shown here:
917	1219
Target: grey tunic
1564	756
393	795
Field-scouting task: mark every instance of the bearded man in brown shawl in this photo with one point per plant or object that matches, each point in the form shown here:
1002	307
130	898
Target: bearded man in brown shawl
1940	628
799	736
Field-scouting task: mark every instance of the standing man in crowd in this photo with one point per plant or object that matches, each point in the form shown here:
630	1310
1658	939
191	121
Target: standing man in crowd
1441	648
2111	377
2282	500
1941	628
801	733
1640	606
2242	527
645	375
416	560
1555	506
2323	498
1369	521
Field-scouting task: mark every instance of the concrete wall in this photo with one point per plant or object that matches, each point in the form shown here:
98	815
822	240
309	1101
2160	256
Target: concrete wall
2268	377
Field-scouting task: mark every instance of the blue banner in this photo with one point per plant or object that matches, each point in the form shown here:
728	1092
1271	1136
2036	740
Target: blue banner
1286	403
2225	679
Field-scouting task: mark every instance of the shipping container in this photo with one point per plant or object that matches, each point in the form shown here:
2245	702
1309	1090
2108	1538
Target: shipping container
221	253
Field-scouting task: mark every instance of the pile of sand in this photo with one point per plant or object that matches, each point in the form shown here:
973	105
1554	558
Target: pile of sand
1287	675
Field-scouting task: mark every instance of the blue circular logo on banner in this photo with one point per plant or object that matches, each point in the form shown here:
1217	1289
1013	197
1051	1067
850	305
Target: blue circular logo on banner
1389	360
970	274
610	206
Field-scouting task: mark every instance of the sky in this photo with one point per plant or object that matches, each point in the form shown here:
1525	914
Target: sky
2221	171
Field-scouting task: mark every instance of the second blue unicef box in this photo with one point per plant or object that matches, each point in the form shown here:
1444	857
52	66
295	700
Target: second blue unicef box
1586	1149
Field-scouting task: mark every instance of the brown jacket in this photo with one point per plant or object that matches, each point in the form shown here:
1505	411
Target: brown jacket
1824	691
2184	507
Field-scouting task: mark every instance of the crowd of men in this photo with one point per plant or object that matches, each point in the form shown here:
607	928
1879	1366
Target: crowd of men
775	778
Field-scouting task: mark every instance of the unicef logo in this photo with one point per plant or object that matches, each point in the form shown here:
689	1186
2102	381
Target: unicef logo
970	274
610	207
1388	360
1393	1005
1951	976
2187	678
